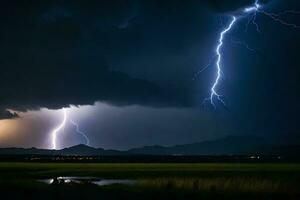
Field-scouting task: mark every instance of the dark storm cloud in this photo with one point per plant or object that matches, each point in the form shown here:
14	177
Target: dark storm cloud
124	52
5	114
57	53
49	57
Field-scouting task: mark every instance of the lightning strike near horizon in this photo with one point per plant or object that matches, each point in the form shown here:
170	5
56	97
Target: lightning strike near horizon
250	12
57	129
61	127
87	141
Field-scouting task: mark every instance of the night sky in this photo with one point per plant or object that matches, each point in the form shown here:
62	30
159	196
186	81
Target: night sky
127	68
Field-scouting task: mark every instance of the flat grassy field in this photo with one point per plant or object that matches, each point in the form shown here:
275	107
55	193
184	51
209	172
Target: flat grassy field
155	181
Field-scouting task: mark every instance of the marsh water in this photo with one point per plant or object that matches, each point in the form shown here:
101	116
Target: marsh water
85	180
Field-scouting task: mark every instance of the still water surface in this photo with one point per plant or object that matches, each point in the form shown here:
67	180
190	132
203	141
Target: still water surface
64	180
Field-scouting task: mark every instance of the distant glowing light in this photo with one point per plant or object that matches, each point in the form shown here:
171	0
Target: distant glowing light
57	129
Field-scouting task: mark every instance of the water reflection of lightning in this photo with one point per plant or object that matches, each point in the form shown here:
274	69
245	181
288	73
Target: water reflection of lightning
87	141
57	129
250	12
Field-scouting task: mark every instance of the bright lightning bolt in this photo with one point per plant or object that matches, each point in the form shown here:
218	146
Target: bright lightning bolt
213	91
57	129
254	10
61	126
87	141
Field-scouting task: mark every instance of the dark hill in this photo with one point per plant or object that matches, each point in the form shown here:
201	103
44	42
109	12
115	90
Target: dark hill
231	145
225	146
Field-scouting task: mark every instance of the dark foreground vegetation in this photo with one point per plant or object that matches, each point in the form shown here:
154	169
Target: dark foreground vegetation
251	158
153	181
